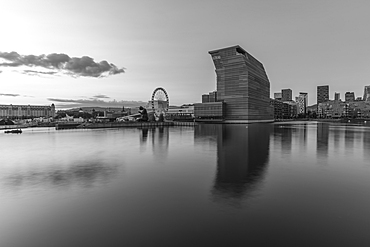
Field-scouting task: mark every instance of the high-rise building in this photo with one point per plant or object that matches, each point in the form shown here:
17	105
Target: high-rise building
366	94
242	86
302	103
277	96
286	94
322	94
349	96
337	96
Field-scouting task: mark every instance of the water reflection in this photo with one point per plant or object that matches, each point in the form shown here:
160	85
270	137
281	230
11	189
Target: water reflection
83	173
303	136
159	140
366	144
349	136
337	132
322	140
144	135
283	137
242	153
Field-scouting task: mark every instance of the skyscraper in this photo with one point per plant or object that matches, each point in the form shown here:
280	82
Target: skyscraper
322	94
302	103
349	96
337	96
242	85
366	94
286	94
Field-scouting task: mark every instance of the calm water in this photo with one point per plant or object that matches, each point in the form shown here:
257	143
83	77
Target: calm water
301	184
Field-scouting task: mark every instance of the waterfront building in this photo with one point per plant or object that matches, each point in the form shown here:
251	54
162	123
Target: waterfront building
283	110
277	96
366	96
205	98
289	109
349	96
358	109
211	97
286	94
242	86
302	104
322	94
211	111
337	96
184	112
27	111
337	109
277	105
332	109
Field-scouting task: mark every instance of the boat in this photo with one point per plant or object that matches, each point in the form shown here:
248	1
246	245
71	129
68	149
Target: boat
15	131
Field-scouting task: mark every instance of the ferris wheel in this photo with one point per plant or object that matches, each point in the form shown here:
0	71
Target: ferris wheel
160	101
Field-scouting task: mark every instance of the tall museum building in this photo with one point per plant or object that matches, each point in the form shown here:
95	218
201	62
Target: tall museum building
243	89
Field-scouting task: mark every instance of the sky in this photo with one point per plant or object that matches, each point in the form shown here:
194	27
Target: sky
111	51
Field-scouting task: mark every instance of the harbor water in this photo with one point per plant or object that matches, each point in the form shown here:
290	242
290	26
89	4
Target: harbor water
282	184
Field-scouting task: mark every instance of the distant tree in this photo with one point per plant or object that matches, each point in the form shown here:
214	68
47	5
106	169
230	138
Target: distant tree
161	118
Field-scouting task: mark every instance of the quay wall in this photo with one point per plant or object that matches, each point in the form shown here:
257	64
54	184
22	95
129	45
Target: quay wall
133	124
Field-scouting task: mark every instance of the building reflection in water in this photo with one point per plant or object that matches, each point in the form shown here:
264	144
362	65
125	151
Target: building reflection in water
322	140
337	136
283	137
159	140
302	133
242	154
366	144
144	135
349	137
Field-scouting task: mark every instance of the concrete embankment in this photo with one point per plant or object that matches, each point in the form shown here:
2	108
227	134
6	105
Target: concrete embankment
131	124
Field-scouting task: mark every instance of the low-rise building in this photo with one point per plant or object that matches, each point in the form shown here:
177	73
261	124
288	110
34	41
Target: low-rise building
26	111
209	111
185	112
338	109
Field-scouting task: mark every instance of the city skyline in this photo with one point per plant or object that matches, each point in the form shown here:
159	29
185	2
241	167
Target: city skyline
165	44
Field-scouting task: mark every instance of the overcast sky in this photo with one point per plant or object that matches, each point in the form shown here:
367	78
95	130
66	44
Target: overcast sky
54	51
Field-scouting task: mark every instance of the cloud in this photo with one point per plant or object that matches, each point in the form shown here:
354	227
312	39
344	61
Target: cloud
71	103
73	66
9	94
38	73
101	96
